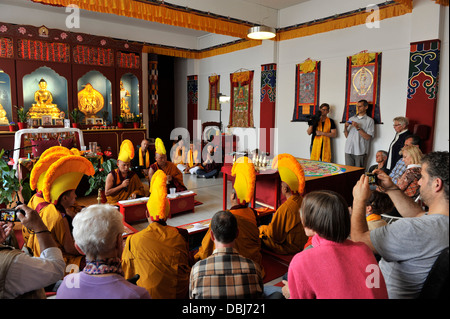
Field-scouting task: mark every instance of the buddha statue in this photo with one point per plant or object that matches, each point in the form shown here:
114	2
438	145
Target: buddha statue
44	103
124	108
90	101
3	118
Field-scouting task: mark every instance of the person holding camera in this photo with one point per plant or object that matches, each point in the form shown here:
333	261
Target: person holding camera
358	130
22	275
322	128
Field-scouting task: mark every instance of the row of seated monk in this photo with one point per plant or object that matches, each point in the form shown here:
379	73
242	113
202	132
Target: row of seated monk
125	182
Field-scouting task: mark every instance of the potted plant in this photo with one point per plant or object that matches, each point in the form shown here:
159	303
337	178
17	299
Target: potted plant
12	126
136	121
120	121
75	114
22	116
105	117
10	185
98	180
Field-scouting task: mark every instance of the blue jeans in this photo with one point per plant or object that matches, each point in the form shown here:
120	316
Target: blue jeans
207	174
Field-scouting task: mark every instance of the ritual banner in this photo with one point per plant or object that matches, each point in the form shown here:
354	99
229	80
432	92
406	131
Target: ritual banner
241	102
267	106
423	76
307	80
192	105
363	83
214	90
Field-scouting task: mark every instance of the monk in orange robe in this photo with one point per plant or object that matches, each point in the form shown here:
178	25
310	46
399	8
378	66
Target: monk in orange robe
285	234
58	189
121	183
174	175
159	253
247	243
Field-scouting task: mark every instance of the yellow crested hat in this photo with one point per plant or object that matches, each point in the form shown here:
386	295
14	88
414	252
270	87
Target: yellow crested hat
244	183
47	158
126	152
65	174
159	147
53	150
291	172
158	205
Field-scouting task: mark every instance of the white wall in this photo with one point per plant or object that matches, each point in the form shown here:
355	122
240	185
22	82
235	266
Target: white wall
393	39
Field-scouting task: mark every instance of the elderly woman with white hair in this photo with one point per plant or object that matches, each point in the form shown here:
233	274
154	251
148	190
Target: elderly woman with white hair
97	231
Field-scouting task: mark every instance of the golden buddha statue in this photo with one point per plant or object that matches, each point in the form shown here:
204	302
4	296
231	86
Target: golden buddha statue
3	118
43	105
90	101
124	108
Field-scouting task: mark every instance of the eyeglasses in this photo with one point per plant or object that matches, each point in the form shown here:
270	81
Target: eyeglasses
396	125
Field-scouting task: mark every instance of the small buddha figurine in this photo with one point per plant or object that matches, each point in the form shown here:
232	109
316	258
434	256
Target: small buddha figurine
124	108
44	103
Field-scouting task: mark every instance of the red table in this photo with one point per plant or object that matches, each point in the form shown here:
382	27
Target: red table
136	209
271	176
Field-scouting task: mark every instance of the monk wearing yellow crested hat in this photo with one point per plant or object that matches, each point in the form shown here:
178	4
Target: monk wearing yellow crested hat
248	243
47	158
285	233
159	253
174	175
58	189
122	183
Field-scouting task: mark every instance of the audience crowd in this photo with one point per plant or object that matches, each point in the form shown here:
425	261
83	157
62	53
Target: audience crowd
340	250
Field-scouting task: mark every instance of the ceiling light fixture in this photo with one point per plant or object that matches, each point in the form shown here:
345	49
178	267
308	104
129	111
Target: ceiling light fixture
261	33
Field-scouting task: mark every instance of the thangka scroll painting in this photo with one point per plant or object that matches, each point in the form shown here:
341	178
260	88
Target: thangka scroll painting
307	80
214	90
241	102
423	76
267	106
363	83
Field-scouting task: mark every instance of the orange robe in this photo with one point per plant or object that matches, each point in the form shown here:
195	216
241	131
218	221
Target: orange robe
135	187
37	202
248	243
160	255
54	221
285	234
172	170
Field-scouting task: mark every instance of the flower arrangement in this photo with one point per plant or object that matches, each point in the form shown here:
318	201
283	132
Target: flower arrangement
10	184
75	114
136	118
22	115
98	180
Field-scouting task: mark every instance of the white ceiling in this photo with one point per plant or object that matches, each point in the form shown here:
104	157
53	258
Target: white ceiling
276	4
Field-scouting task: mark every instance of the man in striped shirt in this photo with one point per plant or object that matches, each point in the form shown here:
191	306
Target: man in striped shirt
225	274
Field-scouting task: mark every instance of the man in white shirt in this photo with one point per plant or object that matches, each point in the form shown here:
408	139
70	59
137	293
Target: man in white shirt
358	130
23	274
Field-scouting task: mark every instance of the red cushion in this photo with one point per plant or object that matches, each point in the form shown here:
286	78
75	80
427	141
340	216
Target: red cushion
40	146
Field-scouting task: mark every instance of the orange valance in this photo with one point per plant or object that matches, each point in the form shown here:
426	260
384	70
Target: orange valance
196	54
194	19
343	22
159	13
